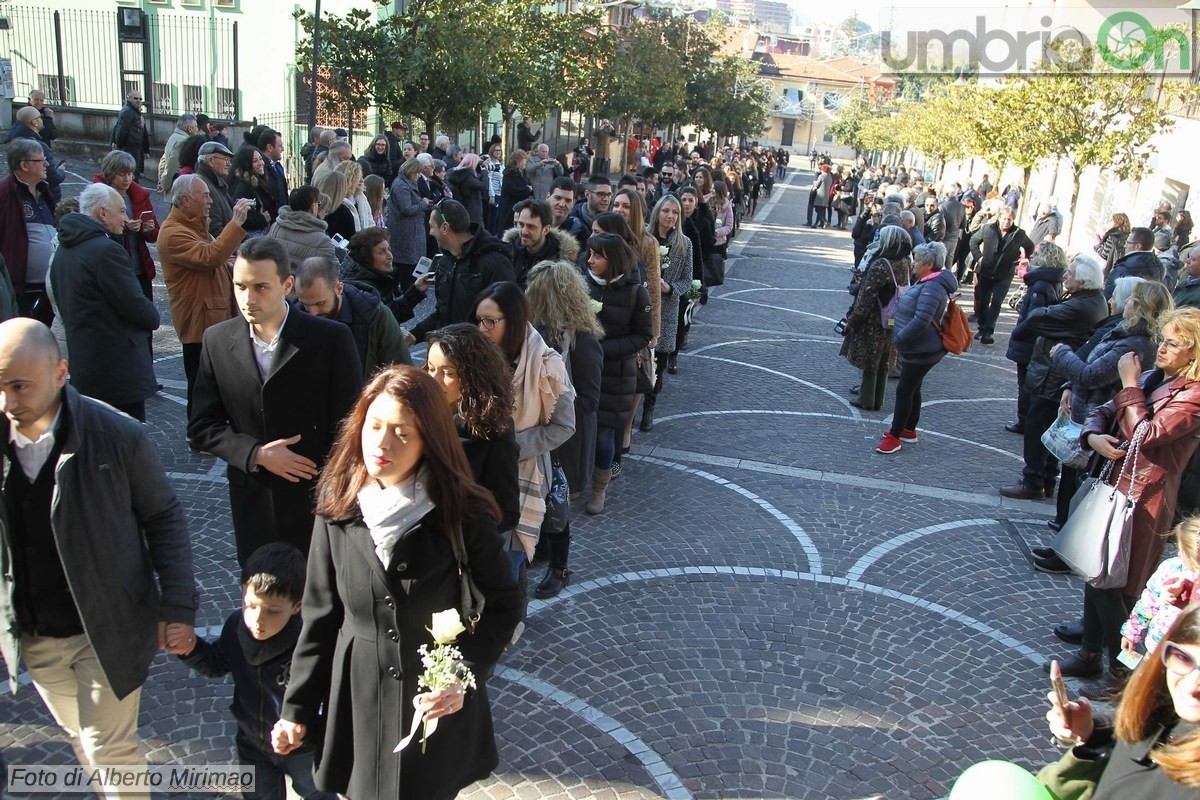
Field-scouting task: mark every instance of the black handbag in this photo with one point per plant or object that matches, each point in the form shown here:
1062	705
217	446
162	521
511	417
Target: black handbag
472	599
714	270
558	500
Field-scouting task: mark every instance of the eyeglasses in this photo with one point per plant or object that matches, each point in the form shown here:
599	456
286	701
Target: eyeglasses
1170	344
489	323
1177	660
33	160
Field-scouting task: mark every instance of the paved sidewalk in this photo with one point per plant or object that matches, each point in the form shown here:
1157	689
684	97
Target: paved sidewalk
768	609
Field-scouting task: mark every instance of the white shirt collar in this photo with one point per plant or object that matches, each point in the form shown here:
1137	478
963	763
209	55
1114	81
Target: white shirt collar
20	440
270	346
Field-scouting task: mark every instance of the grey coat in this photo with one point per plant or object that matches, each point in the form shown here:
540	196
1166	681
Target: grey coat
117	524
677	273
107	319
303	234
406	221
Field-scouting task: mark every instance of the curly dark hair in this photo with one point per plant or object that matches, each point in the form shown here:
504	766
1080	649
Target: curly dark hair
484	375
363	244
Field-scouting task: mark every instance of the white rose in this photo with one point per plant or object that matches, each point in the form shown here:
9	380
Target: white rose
446	626
596	306
663	251
696	284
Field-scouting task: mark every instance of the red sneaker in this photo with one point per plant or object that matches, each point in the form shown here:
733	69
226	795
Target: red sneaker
888	444
909	436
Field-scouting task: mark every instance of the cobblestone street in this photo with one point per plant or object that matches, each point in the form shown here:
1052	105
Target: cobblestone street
767	609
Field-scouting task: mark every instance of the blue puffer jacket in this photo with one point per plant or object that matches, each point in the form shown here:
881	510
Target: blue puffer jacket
916	312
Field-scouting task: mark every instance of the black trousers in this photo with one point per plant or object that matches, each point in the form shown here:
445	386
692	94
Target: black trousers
812	200
1104	611
660	368
1022	395
989	297
1041	468
908	397
1068	484
136	410
191	365
34	303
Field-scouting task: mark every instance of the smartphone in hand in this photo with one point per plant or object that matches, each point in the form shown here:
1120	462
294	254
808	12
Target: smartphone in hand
423	266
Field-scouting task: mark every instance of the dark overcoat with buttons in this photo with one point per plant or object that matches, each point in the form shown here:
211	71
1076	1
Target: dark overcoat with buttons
357	657
313	382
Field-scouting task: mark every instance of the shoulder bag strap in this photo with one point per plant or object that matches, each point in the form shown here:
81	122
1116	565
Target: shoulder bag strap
472	602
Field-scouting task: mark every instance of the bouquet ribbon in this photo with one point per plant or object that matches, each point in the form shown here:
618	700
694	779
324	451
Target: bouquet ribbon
418	718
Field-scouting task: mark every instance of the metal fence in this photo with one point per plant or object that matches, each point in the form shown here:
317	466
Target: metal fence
78	58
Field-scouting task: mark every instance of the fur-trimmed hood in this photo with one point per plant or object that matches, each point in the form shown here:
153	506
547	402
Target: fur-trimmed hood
568	246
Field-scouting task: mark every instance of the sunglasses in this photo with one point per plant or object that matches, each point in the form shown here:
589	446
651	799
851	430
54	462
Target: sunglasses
1177	660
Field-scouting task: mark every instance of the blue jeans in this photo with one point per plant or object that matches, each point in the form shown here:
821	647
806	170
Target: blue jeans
270	769
606	447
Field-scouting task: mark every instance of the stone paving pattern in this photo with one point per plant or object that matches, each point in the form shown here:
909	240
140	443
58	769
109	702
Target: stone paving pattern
768	609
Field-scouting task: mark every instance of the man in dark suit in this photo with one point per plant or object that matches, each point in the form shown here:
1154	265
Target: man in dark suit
273	386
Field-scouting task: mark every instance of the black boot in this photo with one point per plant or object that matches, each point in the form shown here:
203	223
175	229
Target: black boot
647	415
557	576
672	367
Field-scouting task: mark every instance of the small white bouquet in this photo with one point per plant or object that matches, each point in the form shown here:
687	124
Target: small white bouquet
694	292
596	306
663	252
444	668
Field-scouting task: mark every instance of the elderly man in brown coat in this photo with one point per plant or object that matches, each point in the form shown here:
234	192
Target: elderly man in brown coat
195	267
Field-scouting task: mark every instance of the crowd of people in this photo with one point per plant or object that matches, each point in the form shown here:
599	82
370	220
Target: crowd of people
361	488
1107	353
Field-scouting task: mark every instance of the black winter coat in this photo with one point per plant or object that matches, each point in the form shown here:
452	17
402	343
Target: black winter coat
1043	288
585	366
514	187
627	329
357	657
1130	773
382	165
494	465
996	255
386	285
264	194
469	188
484	260
107	319
1070	321
1138	264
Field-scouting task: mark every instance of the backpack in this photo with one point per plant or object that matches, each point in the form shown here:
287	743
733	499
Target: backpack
955	330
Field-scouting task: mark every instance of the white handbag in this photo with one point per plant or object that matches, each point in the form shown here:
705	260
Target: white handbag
1062	440
1096	538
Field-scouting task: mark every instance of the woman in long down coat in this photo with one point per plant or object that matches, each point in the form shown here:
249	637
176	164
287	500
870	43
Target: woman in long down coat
625	315
380	565
868	344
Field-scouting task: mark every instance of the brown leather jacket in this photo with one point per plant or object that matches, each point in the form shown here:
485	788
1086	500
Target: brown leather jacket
195	270
1173	410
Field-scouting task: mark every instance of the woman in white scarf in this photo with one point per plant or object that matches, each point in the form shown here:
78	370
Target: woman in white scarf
357	200
543	407
394	492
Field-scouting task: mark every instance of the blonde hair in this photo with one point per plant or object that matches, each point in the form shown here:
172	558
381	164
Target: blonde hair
1187	535
1186	322
334	188
559	302
374	188
353	172
411	167
1150	301
675	239
515	157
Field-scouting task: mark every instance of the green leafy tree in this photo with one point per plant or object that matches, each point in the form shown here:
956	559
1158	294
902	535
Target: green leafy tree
539	62
847	129
1091	117
731	100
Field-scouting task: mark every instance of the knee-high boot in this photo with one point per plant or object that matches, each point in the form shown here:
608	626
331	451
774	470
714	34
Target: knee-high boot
557	576
600	481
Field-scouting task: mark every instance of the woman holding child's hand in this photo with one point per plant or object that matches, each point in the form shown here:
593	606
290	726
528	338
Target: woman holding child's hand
381	564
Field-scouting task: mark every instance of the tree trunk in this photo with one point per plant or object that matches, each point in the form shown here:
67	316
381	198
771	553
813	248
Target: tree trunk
506	112
431	120
1070	223
1027	174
